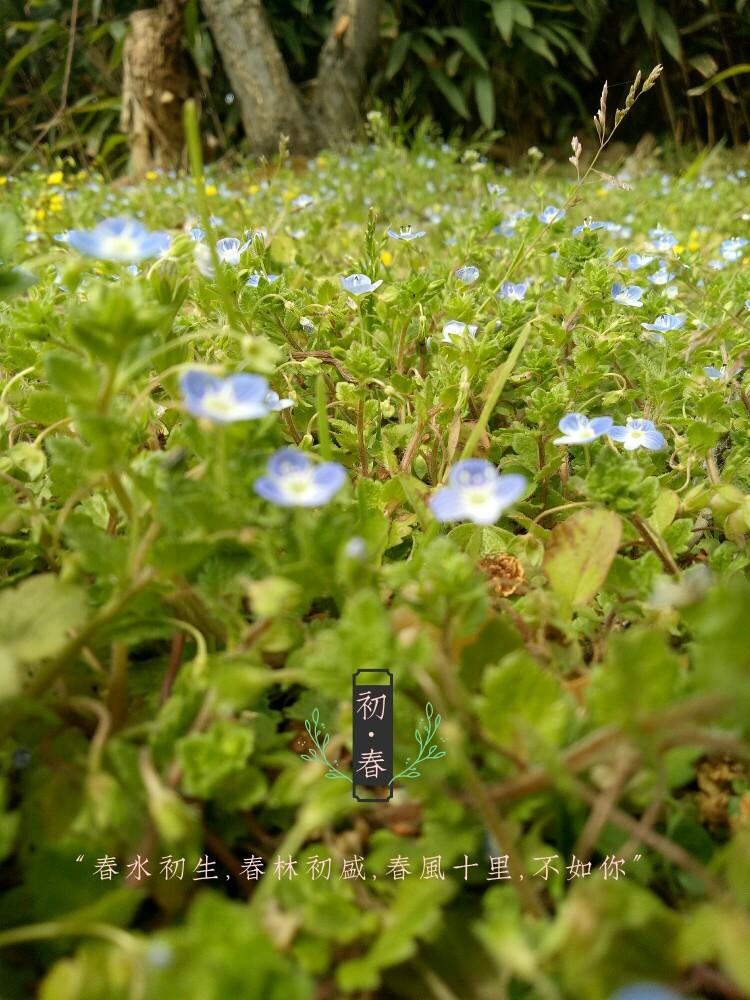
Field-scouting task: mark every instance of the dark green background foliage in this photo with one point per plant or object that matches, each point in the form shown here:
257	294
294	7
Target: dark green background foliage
530	70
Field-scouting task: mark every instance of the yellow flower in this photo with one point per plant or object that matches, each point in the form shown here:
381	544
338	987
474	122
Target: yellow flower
602	192
386	257
151	175
289	195
55	178
3	180
253	189
211	190
40	214
678	248
693	243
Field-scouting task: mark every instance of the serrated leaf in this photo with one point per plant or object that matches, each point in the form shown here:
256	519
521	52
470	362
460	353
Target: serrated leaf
37	615
580	552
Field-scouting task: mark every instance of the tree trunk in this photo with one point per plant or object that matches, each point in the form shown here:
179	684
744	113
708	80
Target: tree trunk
270	104
342	70
155	85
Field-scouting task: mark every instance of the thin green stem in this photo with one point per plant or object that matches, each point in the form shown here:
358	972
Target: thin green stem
324	431
494	395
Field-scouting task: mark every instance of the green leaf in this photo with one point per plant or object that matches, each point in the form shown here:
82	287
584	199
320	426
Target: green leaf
450	92
667	31
484	93
399	52
580	552
504	14
537	44
647	11
523	705
469	44
37	616
724	75
639	675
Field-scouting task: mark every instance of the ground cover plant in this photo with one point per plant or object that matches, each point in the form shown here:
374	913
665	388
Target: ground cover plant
488	430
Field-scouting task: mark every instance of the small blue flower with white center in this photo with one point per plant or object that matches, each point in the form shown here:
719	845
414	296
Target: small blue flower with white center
302	201
123	240
455	327
230	249
467	275
588	224
666	323
723	374
405	233
638	433
506	229
226	400
294	479
662	239
578	429
197	233
661	277
254	280
731	250
629	295
495	189
551	214
359	284
476	492
637	261
513	292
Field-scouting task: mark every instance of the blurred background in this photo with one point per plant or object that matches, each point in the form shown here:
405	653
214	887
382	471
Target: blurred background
529	71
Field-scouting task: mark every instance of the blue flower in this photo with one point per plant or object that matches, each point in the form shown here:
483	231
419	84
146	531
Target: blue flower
123	240
637	260
230	249
226	400
645	991
454	327
254	279
578	429
197	233
714	373
302	201
732	249
359	284
551	214
495	189
405	233
476	492
665	323
467	275
293	479
630	295
661	277
589	224
513	292
662	239
638	433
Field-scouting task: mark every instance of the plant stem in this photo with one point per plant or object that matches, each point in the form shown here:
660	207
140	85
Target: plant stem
494	395
324	431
